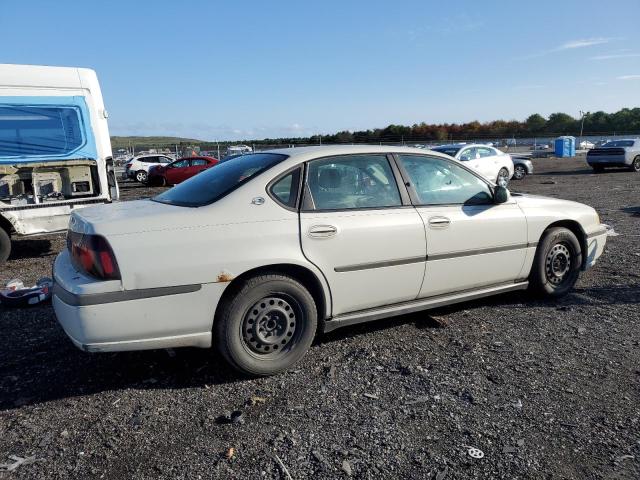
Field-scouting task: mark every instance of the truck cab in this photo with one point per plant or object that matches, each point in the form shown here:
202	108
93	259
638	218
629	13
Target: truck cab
55	149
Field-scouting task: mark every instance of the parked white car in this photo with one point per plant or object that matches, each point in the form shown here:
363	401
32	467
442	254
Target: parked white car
490	162
138	167
255	255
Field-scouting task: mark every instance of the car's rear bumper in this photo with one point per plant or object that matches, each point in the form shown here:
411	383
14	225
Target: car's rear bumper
596	242
134	319
609	160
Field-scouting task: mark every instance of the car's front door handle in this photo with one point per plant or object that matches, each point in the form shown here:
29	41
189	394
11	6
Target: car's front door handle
322	231
439	222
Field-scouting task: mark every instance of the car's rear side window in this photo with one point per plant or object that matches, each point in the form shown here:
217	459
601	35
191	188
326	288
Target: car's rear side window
216	182
352	181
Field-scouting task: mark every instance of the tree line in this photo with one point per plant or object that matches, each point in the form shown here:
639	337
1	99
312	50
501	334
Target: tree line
626	120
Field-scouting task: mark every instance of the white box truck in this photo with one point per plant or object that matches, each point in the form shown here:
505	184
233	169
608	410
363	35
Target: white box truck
55	150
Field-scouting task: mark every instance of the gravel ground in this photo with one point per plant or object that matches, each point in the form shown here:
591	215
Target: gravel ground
546	389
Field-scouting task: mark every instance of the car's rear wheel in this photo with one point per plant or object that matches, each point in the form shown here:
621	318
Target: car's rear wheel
557	262
266	325
635	165
141	176
503	177
519	172
5	245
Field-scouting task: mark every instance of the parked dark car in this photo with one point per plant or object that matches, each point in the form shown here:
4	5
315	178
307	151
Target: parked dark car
180	170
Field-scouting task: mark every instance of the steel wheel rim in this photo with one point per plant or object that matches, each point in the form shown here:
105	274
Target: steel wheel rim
636	164
558	263
270	325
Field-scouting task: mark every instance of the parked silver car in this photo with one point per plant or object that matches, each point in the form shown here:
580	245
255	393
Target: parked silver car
616	153
521	167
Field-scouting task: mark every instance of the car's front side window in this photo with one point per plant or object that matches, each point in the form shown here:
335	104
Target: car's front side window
440	182
180	164
352	181
468	154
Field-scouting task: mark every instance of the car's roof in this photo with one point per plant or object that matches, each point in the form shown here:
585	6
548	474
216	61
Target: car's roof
307	153
460	145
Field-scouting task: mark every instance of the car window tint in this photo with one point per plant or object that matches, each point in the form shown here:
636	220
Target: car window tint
180	164
198	162
285	190
468	154
440	182
352	181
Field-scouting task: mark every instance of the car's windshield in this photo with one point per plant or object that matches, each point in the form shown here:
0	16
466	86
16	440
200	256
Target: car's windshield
619	143
214	183
451	151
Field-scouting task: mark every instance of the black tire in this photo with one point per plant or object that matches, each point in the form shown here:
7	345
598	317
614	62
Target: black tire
141	176
266	325
519	172
557	263
503	176
5	245
597	168
635	165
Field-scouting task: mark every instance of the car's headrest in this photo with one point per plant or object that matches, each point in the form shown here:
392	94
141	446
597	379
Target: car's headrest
329	178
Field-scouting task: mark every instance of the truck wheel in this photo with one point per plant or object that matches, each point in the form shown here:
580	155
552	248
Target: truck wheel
635	165
5	245
266	326
141	176
556	265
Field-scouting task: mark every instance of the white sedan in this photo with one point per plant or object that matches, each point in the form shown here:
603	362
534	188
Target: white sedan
493	164
255	255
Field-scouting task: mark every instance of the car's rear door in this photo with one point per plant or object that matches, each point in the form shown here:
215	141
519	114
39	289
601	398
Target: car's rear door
359	228
472	242
488	163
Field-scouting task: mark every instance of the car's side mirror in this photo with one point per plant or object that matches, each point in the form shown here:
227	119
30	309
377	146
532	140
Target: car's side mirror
500	194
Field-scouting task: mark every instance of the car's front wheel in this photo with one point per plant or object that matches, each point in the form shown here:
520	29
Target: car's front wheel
519	172
557	262
503	177
635	165
266	325
141	176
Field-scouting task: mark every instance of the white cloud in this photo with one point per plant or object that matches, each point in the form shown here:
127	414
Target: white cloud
615	55
629	77
571	45
586	42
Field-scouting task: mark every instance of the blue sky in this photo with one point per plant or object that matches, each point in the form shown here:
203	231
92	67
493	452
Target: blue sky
242	69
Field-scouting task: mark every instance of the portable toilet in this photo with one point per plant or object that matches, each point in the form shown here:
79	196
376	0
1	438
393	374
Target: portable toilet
565	146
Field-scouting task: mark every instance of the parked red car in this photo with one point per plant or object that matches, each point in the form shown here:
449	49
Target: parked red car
180	170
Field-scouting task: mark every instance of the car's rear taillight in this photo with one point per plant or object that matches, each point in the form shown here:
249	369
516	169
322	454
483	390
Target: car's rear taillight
93	255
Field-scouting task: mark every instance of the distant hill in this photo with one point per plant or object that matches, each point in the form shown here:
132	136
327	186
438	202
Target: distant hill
140	142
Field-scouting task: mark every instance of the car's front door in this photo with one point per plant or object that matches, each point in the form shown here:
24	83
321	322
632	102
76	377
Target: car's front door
176	171
472	242
362	232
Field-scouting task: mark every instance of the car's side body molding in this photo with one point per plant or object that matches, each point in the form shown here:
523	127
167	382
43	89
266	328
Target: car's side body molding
419	305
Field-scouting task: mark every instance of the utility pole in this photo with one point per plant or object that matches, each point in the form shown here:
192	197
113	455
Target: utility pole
218	145
583	114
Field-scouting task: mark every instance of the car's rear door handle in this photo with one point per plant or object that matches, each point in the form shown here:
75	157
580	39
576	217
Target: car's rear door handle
439	222
322	231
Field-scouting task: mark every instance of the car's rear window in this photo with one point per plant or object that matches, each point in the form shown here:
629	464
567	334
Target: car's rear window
619	143
218	181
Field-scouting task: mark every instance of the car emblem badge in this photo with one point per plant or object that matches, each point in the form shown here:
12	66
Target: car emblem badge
257	200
